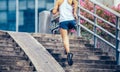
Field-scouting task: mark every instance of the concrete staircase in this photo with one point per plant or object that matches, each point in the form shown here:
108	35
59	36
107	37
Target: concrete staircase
86	58
12	58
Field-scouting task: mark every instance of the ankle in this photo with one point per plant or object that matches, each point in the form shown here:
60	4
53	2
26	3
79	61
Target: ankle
66	51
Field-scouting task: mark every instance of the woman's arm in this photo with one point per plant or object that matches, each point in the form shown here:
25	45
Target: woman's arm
75	6
56	8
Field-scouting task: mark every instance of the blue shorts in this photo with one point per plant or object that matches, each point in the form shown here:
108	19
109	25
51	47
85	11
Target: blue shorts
71	24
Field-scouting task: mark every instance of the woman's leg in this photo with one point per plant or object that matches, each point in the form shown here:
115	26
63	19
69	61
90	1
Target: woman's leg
65	39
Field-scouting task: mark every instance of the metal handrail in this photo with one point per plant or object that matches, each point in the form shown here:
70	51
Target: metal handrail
97	26
97	36
94	23
98	16
108	9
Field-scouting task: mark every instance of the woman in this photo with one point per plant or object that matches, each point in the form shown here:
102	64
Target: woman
67	10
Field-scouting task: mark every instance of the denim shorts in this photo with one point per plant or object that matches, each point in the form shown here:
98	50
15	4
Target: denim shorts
71	24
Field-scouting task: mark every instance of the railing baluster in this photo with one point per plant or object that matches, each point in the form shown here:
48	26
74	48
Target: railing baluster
78	22
94	29
17	15
117	41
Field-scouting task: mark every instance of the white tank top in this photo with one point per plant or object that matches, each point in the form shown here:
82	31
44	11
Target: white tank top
66	10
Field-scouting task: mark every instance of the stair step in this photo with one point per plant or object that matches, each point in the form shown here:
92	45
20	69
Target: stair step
10	48
60	41
97	66
7	53
90	65
94	57
55	37
76	51
14	67
91	70
6	40
86	61
6	49
6	45
59	58
16	71
15	62
95	61
72	41
73	48
11	53
61	45
15	57
2	33
97	53
3	60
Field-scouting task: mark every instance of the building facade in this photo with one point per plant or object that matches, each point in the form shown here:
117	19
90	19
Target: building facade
22	15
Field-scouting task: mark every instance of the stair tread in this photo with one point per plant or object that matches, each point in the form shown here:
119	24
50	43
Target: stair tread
91	70
99	66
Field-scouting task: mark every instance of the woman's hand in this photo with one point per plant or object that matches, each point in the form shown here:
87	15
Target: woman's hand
75	15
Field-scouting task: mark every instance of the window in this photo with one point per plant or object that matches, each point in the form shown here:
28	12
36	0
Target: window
3	5
3	17
12	5
31	4
41	4
22	4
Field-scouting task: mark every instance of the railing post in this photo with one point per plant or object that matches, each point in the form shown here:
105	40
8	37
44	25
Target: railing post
117	40
36	16
78	22
17	15
94	29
